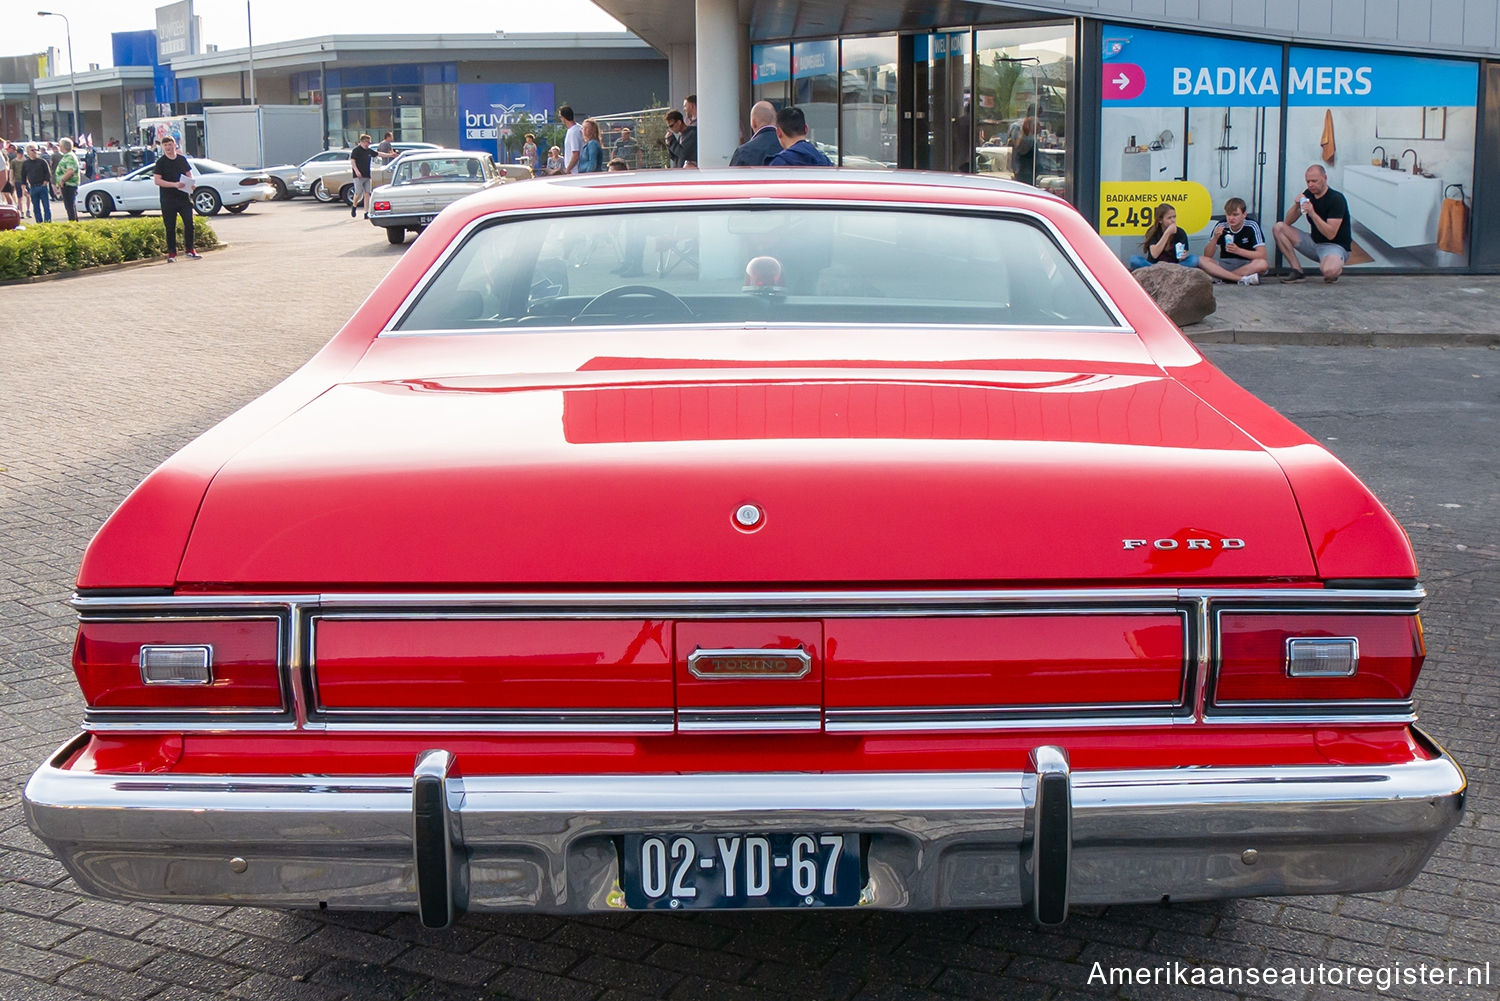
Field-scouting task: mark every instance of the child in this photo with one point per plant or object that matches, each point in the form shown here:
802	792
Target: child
1164	243
1237	250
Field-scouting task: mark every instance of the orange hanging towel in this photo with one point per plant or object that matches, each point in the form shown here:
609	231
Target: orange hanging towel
1327	140
1453	226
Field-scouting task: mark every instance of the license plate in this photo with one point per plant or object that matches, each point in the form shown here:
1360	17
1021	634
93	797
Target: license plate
706	871
424	220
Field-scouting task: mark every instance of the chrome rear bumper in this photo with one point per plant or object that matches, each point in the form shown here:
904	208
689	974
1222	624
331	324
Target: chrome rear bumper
439	843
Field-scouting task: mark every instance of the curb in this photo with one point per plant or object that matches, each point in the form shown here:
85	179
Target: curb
99	269
1348	338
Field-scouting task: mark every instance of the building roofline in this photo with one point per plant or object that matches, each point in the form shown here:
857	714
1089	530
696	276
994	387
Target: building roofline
100	79
350	48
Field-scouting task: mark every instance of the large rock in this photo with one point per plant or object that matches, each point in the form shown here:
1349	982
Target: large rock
1184	294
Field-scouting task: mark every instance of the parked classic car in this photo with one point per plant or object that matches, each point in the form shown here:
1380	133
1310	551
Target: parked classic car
284	179
424	183
337	183
891	548
311	171
218	185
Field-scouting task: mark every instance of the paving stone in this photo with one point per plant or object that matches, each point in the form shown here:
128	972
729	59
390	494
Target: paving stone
533	985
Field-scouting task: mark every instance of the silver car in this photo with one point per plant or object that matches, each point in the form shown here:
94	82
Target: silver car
425	182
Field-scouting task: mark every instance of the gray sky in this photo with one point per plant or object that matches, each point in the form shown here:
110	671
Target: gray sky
224	25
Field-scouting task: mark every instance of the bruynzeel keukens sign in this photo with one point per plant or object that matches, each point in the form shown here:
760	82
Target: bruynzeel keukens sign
489	113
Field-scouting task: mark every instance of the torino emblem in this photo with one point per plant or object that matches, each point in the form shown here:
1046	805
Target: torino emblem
1169	544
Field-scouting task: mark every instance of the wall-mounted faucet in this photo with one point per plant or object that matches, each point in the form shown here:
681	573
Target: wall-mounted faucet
1415	167
1380	162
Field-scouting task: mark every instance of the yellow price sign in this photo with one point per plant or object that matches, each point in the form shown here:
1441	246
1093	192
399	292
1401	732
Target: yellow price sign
1127	208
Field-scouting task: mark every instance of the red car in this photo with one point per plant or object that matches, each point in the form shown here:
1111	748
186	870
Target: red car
750	539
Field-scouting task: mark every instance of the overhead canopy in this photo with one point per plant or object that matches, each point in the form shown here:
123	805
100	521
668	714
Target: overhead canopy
665	23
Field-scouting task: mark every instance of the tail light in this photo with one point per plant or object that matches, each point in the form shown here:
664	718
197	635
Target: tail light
252	181
1280	657
182	665
382	206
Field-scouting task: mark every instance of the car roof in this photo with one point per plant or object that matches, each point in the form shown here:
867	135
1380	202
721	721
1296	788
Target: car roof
439	154
721	184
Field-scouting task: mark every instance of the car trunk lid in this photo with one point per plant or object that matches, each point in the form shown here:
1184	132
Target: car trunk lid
691	477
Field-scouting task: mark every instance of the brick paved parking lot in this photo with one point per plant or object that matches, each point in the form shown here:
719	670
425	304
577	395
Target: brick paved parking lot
106	375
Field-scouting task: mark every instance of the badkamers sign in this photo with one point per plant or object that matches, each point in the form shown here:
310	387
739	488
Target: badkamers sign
1147	68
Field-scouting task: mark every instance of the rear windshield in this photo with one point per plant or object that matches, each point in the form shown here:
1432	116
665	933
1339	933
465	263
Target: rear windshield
768	265
427	169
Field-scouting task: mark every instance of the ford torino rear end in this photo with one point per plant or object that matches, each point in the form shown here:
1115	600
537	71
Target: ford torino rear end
879	545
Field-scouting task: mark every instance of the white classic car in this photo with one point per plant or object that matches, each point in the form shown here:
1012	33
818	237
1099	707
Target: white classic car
426	182
217	185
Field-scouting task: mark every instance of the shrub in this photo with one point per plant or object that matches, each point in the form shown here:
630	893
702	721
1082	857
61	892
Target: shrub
54	247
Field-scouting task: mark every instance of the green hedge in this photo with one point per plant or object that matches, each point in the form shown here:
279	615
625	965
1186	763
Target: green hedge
50	248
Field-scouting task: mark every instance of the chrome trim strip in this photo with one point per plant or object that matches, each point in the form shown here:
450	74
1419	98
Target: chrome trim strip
330	602
734	719
954	712
88	603
837	721
164	723
1300	711
500	217
300	610
98	718
799	655
1203	660
1314	715
498	725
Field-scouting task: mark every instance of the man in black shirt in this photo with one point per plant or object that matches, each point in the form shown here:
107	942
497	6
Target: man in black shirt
360	160
1329	241
36	175
174	176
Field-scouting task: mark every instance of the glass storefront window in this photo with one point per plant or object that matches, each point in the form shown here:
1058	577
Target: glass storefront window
943	102
1173	133
815	89
1355	113
770	74
870	102
1023	104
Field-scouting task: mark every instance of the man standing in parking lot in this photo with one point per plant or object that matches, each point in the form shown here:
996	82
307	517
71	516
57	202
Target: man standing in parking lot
386	149
174	176
36	176
572	140
796	149
65	176
360	159
763	144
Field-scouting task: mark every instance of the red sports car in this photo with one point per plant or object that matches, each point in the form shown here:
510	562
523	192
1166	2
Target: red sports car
749	539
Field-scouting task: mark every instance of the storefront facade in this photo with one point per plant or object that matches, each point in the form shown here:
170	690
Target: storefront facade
1186	118
1159	105
439	89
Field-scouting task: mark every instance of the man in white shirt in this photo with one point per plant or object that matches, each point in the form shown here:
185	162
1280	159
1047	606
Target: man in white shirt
572	142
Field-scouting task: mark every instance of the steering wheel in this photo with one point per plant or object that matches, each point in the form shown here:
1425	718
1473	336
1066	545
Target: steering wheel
600	302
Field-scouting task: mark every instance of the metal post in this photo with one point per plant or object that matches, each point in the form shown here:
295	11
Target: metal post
72	76
250	35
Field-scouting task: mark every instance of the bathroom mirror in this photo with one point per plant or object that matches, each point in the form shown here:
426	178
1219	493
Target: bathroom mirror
1399	123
